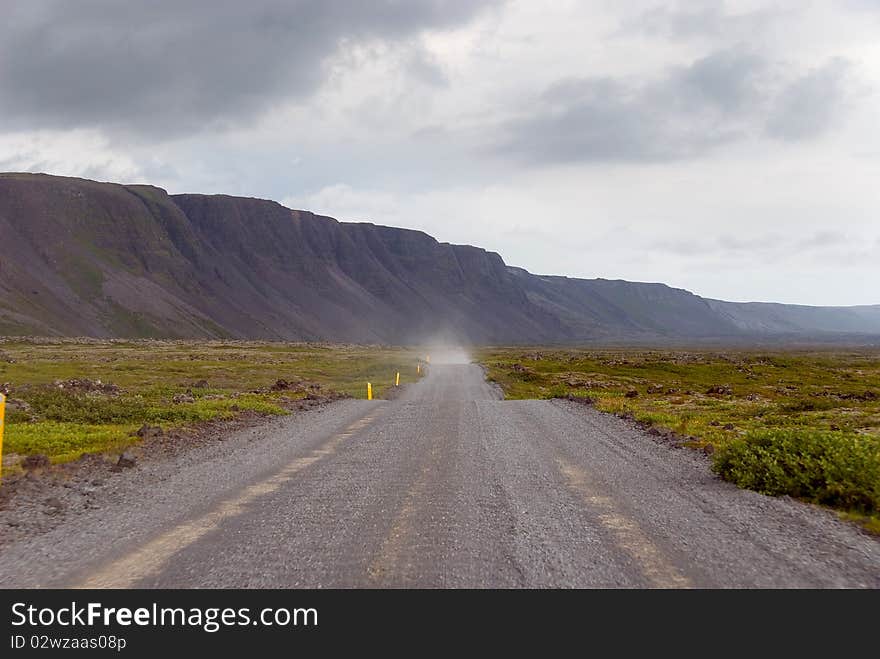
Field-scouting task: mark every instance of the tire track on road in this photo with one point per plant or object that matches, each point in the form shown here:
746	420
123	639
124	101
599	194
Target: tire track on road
151	558
627	533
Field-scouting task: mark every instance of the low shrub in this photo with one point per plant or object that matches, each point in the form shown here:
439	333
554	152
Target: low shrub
54	404
831	468
810	405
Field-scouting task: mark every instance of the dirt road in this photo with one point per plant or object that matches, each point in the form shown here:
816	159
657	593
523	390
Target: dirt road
448	486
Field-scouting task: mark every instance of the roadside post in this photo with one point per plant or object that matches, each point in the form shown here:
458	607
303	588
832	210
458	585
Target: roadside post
2	422
369	391
419	368
397	380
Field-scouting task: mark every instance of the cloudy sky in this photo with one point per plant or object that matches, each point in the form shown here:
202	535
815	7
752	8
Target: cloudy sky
730	148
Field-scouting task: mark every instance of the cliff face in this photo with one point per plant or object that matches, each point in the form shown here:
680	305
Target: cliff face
301	275
78	257
84	258
101	259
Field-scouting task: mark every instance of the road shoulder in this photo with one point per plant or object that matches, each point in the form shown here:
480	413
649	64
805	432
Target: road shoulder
55	521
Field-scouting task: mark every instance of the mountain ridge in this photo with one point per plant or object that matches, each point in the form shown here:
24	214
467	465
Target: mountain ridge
103	259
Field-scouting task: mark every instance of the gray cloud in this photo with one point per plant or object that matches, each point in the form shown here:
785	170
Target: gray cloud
748	244
663	21
823	240
776	243
726	81
421	66
596	119
860	4
708	21
173	66
727	96
808	107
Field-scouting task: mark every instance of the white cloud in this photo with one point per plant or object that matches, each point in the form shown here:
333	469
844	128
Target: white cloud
84	153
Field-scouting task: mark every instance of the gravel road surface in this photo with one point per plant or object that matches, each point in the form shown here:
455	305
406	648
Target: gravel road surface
447	486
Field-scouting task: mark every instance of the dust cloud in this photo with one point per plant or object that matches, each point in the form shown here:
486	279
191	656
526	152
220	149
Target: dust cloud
444	354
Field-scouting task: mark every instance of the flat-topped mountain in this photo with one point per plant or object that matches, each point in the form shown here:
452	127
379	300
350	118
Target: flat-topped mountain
79	257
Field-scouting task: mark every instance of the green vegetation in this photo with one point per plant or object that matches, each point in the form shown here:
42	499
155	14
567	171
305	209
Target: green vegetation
831	468
69	397
803	424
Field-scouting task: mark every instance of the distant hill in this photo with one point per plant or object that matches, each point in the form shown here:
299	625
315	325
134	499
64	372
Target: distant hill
82	258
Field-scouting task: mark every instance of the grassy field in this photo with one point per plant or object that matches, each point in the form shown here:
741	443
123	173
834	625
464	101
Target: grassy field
805	424
70	397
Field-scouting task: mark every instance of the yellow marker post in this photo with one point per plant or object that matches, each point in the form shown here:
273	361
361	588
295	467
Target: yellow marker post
2	422
419	368
397	380
369	391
